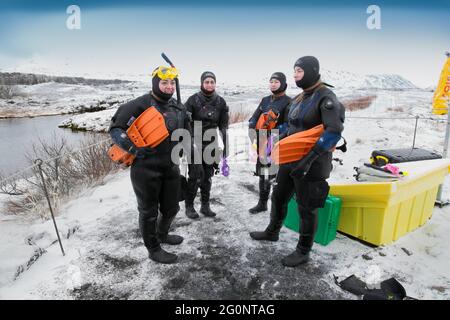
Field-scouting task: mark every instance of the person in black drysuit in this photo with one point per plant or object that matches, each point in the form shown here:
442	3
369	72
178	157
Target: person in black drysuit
317	104
278	101
212	110
154	176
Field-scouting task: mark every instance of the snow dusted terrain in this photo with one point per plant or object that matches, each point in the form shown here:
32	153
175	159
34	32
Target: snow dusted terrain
105	257
341	79
73	97
59	98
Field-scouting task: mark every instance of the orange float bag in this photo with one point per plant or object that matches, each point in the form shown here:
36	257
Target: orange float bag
296	146
267	120
148	130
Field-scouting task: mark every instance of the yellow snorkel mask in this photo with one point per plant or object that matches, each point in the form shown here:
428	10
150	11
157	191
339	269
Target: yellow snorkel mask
165	73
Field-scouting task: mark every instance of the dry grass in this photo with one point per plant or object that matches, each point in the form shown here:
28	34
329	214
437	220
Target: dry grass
396	109
8	92
239	116
67	174
350	105
359	103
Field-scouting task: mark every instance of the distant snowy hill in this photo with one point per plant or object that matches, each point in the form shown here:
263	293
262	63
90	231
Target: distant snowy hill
346	79
349	80
338	78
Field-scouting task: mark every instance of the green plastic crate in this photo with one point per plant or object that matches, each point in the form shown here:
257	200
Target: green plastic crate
327	223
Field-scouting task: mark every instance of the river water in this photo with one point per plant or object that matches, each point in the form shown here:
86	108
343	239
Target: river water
18	135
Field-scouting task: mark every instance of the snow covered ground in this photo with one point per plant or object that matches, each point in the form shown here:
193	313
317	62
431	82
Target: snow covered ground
105	257
59	98
62	98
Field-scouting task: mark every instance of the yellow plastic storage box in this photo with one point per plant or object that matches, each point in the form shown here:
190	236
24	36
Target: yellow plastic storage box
381	212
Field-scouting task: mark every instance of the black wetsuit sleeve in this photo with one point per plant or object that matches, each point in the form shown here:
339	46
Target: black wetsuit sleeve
128	112
122	119
223	126
333	116
254	119
120	137
189	105
285	114
189	144
283	120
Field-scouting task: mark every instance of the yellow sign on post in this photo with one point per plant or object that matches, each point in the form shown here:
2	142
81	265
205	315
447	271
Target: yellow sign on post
442	94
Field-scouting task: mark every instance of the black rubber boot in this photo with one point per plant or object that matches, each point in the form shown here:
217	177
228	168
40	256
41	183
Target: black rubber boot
296	258
277	214
171	239
308	226
264	191
260	207
164	222
206	210
147	227
190	212
264	235
160	255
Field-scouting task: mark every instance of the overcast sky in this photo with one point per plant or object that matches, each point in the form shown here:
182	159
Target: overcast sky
241	42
